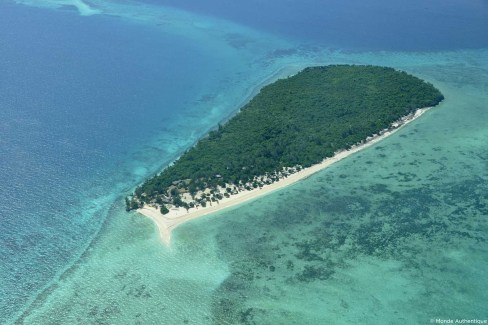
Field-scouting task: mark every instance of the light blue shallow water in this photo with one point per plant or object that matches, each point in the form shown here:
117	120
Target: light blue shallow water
91	105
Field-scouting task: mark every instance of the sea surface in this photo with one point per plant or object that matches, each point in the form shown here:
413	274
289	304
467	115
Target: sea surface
96	96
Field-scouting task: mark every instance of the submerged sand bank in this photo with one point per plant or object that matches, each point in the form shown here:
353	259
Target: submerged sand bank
177	216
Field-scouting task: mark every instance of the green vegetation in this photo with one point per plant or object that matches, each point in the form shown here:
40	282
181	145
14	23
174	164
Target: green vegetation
292	123
163	209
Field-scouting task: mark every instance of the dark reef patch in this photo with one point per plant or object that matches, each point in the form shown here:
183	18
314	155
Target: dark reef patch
307	241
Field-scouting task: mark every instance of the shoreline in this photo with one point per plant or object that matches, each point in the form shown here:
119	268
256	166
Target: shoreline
178	216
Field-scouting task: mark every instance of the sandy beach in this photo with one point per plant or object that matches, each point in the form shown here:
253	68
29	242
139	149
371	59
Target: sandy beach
177	216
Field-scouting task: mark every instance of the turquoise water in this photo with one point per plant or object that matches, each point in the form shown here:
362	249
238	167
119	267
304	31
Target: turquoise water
91	105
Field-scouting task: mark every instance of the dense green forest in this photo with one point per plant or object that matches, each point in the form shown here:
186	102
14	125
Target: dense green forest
293	122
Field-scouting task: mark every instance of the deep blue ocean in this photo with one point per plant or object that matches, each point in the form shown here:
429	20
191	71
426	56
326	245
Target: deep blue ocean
356	24
91	105
79	96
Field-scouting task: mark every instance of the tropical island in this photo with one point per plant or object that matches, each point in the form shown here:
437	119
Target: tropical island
292	128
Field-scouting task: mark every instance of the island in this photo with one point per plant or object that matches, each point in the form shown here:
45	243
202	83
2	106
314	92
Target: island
293	128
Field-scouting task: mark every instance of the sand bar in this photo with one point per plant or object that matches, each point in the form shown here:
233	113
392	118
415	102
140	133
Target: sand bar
177	216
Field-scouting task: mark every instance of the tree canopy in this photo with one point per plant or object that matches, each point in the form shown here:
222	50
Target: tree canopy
297	121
